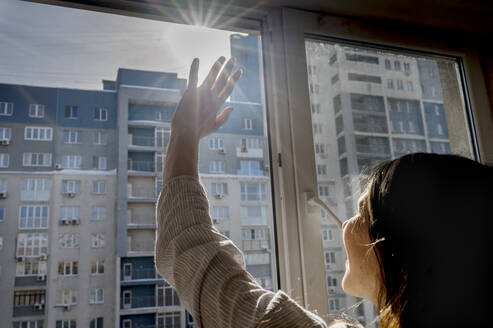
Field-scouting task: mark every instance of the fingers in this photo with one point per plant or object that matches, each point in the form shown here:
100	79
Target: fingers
211	77
194	74
228	88
223	77
223	117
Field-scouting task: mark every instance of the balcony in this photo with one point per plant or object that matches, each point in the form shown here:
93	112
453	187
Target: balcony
374	150
244	152
141	248
255	245
141	166
145	143
141	222
148	301
141	194
29	310
142	274
36	281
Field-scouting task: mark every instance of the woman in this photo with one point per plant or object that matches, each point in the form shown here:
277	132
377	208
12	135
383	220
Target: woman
390	258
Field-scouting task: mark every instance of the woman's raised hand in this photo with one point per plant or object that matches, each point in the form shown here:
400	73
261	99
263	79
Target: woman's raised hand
196	114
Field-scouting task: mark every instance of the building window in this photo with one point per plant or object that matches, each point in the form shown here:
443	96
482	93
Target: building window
28	324
33	217
29	297
327	235
334	304
66	324
323	191
168	320
72	136
36	159
250	168
70	186
70	213
127	303
388	65
167	296
407	68
68	268
364	78
32	244
66	297
334	79
216	143
362	58
97	267
390	83
225	233
320	149
100	138
216	167
257	258
96	323
97	240
38	133
4	160
159	116
247	124
400	85
35	190
5	133
1	243
315	108
36	110
71	112
99	187
253	215
3	185
100	114
253	191
330	257
410	86
2	214
318	128
97	296
321	169
220	213
98	213
99	162
68	240
127	271
397	65
219	189
6	109
30	267
72	162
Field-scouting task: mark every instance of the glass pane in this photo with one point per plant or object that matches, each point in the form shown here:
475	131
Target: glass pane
372	105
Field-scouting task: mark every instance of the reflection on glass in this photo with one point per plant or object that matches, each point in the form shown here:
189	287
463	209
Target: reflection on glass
370	106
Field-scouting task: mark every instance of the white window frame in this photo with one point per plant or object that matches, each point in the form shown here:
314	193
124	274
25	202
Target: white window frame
99	187
71	108
71	136
30	131
98	213
73	162
71	186
5	133
34	189
4	160
96	296
27	159
102	162
4	108
39	110
217	166
98	266
68	240
3	213
98	114
248	124
127	305
63	294
216	143
37	222
100	138
97	240
41	249
68	266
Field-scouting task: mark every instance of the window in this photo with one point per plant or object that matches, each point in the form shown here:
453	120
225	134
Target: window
361	58
71	112
29	297
32	244
388	65
71	161
410	86
216	167
127	302
250	168
68	240
30	267
97	267
28	324
36	110
330	257
220	213
216	143
168	320
38	133
36	159
334	304
5	133
2	214
72	136
397	65
407	68
127	271
97	296
99	187
100	138
70	213
400	85
96	323
364	78
99	162
100	114
331	282
320	149
334	79
3	185
167	296
318	128
323	191
71	186
253	191
1	243
68	268
98	213
257	258
4	160
33	217
66	324
35	189
6	109
315	108
97	240
253	215
66	297
390	83
248	124
327	234
321	169
219	188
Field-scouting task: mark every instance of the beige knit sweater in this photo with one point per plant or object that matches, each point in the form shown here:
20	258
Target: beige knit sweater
208	270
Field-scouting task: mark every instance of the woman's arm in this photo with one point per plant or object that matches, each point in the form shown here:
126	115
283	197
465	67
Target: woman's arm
205	267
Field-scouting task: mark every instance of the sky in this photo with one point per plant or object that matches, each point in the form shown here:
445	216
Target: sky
62	47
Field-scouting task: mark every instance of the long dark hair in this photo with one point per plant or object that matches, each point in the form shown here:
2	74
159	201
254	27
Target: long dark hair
429	220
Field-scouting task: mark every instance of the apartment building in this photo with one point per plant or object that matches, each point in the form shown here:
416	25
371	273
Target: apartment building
367	107
56	252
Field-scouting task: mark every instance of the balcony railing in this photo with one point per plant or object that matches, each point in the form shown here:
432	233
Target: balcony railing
142	219
372	149
141	302
145	141
255	245
28	310
142	192
148	273
143	166
142	246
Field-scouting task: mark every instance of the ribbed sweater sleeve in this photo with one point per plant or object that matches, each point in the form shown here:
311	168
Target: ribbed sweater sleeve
208	270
